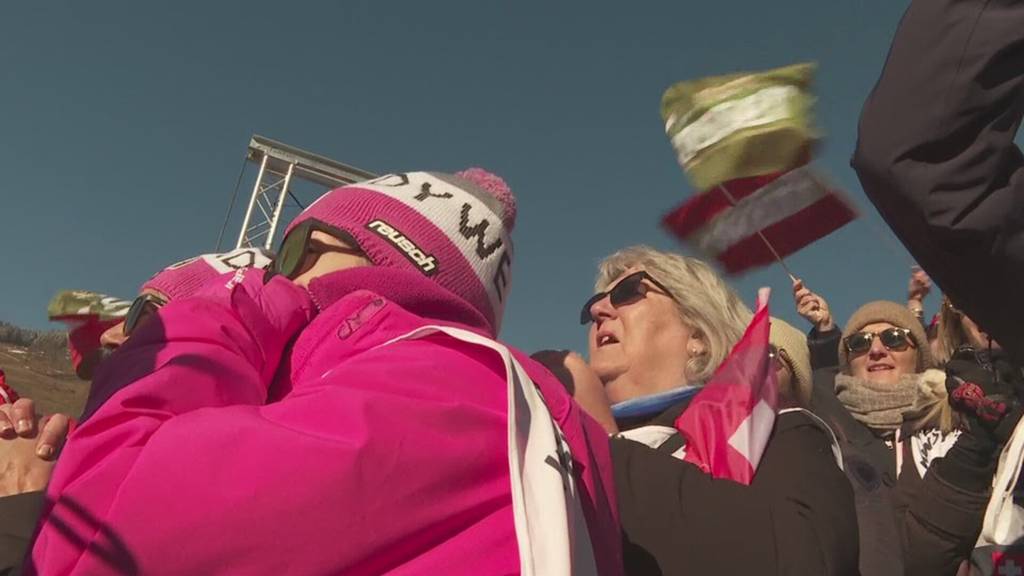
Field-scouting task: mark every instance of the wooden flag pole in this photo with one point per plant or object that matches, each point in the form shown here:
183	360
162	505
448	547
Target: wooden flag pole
771	248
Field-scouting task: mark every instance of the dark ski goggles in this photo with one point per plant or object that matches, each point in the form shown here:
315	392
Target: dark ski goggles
141	308
292	254
892	338
627	290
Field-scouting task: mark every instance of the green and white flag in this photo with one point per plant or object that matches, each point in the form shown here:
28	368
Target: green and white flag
741	125
74	305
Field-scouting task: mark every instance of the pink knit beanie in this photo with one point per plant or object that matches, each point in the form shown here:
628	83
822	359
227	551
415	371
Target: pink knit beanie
455	229
186	277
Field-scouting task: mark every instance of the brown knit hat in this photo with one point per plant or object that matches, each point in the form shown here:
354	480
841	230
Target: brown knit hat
794	342
895	314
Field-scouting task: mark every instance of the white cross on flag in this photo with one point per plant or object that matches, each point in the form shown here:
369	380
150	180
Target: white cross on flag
728	423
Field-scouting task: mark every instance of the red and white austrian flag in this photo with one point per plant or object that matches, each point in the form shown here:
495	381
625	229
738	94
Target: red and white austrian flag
789	209
728	423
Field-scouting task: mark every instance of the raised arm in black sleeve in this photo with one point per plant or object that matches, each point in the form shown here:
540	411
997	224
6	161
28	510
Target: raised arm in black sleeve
936	154
824	348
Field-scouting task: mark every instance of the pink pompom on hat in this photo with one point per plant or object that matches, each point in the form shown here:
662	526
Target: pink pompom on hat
455	229
184	278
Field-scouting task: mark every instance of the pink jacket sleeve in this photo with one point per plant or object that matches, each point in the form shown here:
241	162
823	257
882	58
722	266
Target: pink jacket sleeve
218	350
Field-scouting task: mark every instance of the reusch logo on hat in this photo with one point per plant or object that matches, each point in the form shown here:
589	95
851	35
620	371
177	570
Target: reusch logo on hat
464	219
425	262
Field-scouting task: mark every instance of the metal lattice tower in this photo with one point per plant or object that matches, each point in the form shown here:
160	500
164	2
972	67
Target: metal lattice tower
279	165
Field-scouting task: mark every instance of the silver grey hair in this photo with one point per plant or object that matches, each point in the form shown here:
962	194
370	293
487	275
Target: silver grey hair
705	302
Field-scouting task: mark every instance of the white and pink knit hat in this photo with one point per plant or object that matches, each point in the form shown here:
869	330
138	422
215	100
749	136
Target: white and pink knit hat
186	277
455	229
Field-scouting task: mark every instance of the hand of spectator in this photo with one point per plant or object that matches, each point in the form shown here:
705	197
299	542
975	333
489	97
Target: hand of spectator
987	400
812	307
918	288
582	383
28	447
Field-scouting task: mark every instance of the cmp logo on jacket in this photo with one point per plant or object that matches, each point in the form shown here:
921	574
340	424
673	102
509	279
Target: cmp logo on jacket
426	262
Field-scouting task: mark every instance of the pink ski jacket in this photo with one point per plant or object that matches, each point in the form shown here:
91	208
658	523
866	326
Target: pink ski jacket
366	459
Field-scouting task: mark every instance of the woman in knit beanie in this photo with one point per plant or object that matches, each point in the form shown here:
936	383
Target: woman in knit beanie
886	375
890	409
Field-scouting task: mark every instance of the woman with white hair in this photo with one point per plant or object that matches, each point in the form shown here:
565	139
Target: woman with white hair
660	325
650	356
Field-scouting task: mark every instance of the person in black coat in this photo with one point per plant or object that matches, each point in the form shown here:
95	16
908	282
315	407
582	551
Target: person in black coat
942	534
903	444
936	156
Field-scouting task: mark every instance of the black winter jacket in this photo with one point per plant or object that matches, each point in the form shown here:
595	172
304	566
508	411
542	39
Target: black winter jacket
797	517
908	525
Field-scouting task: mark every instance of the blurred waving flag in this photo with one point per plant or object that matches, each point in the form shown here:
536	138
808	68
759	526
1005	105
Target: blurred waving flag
744	141
77	306
87	315
728	423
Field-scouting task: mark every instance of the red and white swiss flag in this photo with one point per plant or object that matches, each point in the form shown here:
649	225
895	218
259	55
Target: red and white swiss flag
790	209
728	423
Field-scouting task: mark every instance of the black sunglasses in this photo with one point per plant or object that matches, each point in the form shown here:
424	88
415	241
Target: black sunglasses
627	290
141	307
293	249
892	338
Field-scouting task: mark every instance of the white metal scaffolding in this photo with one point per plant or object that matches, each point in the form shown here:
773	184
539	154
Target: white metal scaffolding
279	165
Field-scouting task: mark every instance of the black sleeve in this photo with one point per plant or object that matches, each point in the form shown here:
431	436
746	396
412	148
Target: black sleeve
936	155
678	520
18	517
797	517
824	347
945	513
814	515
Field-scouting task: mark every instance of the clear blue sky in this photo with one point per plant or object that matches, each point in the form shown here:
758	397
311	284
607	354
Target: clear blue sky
123	126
